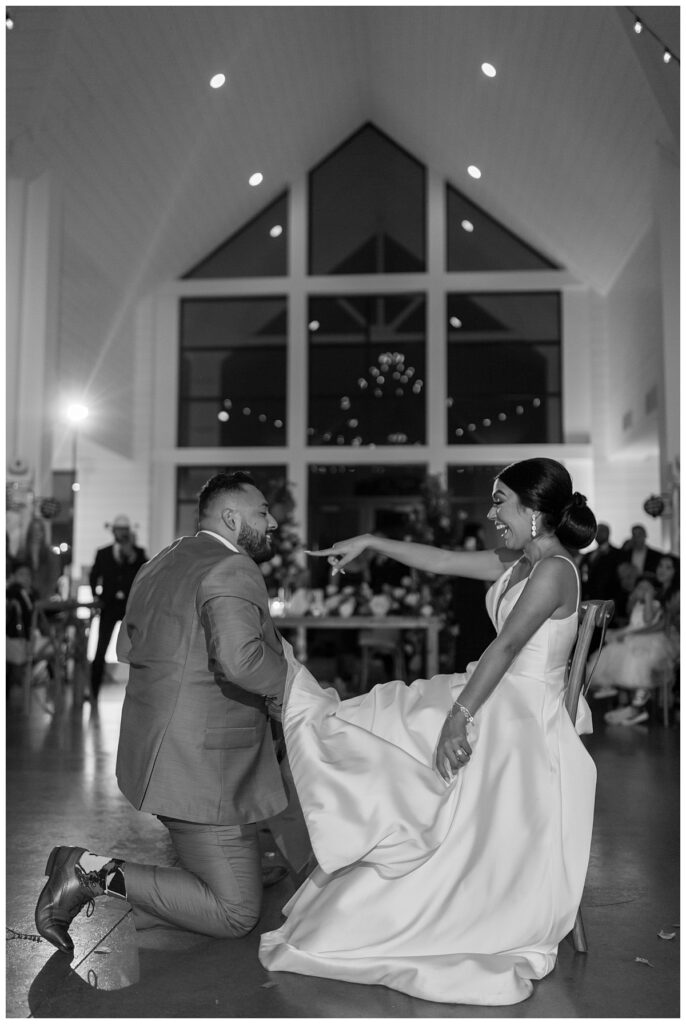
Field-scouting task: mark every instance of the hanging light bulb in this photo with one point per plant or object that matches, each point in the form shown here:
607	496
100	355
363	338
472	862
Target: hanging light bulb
9	20
638	27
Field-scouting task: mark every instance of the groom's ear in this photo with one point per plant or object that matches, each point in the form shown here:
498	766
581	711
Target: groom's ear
230	519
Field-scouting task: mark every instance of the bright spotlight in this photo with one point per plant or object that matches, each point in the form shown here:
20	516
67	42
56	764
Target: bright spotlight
76	412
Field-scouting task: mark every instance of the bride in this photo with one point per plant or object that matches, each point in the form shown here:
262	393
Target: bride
451	819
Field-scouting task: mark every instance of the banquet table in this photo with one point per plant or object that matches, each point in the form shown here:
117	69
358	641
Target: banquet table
302	623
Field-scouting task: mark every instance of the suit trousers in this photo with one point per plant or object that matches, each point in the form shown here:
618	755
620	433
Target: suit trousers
216	891
109	617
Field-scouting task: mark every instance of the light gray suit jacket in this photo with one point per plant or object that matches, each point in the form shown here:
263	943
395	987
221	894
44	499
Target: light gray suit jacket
195	742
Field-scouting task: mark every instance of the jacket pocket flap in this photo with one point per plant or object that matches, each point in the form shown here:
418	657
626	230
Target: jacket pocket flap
220	737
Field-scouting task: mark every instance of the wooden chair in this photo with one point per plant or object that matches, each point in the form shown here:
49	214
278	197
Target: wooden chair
592	615
381	642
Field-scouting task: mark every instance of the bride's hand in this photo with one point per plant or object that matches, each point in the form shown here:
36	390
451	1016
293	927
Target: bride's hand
453	750
342	552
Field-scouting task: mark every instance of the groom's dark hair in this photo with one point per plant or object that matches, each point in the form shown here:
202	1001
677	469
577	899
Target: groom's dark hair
220	483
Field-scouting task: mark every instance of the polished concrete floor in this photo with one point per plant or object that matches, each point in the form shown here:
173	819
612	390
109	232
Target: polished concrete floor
61	790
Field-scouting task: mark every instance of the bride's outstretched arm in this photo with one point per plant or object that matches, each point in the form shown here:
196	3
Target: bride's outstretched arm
480	565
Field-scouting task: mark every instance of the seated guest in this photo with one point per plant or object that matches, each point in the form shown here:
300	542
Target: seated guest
44	564
627	574
637	657
20	597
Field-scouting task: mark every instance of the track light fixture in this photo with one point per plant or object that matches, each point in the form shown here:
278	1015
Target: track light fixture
640	27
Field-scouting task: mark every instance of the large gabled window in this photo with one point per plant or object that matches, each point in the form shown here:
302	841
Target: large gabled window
367	203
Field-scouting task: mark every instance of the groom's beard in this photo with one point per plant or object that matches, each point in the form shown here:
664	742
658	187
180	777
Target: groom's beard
255	544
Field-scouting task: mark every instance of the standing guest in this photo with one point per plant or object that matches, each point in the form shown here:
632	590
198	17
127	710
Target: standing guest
195	747
111	578
636	551
598	568
452	818
43	562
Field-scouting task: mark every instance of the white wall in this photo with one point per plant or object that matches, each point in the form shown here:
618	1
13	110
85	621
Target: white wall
111	483
633	322
32	248
627	368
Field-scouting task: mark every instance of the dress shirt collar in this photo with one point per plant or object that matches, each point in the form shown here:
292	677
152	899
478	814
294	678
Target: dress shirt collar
218	536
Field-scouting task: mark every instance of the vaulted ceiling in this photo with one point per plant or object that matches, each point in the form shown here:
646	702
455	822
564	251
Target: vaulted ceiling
153	165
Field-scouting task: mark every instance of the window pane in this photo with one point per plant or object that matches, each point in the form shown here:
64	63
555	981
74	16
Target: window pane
470	490
232	372
478	242
190	480
367	209
346	500
367	366
504	374
259	249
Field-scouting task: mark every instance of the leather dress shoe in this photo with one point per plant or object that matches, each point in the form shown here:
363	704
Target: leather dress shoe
67	891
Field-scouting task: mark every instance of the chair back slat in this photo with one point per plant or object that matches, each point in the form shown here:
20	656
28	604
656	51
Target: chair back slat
592	615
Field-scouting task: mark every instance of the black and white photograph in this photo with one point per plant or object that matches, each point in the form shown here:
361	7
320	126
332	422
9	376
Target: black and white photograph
342	525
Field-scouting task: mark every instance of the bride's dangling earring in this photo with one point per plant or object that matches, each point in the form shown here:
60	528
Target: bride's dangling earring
533	525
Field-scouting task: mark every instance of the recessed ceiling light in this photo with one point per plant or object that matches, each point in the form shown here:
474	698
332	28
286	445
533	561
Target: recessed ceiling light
276	231
217	81
488	70
467	225
474	171
255	179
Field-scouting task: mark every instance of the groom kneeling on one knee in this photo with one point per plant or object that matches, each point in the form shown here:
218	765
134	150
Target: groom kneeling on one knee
207	671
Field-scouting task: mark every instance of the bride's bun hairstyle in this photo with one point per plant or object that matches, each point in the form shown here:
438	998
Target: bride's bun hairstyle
545	486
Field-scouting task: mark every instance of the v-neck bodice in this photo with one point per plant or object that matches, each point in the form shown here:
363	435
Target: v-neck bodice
548	649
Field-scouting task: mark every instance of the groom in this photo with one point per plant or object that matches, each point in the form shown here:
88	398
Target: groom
195	747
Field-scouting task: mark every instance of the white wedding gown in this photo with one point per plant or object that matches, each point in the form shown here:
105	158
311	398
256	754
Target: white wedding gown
455	893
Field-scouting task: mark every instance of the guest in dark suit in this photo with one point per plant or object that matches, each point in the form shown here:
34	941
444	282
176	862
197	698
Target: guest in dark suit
111	578
195	747
598	569
636	551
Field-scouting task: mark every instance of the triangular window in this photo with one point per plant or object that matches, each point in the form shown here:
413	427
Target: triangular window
259	249
476	241
367	209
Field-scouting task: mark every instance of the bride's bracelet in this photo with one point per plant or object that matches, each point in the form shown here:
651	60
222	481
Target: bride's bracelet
460	707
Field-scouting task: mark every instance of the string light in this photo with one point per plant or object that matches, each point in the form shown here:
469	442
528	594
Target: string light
640	27
488	421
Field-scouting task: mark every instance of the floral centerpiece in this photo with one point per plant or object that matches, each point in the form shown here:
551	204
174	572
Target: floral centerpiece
285	571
